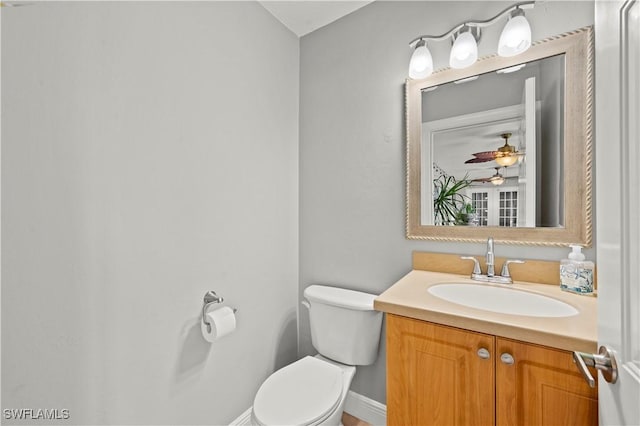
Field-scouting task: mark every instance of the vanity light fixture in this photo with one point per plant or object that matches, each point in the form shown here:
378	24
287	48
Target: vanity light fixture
515	39
421	64
464	51
516	35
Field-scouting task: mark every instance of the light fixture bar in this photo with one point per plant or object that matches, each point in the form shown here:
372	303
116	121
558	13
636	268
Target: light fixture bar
486	23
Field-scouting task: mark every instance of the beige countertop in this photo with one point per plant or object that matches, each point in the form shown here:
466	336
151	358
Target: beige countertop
409	297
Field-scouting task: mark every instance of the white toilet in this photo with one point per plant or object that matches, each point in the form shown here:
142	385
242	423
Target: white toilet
346	332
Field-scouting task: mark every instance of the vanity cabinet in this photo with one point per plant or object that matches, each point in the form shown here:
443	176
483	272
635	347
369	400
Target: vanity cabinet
440	375
542	387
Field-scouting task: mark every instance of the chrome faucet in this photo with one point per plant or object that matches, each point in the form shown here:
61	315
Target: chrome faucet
489	258
491	277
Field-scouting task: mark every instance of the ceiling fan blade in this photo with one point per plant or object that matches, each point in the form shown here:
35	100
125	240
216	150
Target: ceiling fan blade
478	160
486	154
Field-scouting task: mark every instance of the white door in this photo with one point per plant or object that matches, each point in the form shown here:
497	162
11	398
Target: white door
617	36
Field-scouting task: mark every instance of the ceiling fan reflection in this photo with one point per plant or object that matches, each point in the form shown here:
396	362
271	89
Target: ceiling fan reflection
496	179
505	156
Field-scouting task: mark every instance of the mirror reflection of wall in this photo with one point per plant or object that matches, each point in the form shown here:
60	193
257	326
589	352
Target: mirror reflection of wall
471	117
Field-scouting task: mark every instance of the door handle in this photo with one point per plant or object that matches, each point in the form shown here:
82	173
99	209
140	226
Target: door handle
604	361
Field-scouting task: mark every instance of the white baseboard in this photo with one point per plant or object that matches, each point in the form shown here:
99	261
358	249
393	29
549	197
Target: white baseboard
366	409
357	405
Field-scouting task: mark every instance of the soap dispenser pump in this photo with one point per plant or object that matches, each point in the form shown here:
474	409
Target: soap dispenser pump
576	274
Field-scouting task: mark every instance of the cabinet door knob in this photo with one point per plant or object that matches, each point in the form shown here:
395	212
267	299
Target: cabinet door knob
507	358
484	353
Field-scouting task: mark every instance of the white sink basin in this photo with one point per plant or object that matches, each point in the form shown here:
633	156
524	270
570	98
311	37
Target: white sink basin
503	300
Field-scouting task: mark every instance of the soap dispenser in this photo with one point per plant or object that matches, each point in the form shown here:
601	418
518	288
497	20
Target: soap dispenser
576	274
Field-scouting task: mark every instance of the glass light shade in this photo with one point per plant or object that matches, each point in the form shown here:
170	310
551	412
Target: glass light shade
498	181
515	37
421	64
507	160
464	51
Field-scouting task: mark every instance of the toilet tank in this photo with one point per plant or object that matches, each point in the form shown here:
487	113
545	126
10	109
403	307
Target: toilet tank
344	326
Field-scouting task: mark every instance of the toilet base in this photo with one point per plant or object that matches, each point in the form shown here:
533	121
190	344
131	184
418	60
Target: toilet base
335	418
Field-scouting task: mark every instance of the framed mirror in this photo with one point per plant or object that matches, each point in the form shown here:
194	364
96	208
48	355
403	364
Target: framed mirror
503	148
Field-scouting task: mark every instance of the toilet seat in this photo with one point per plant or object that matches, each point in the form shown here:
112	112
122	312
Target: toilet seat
303	393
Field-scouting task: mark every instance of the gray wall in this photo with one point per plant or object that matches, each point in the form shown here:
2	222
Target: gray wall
149	154
352	161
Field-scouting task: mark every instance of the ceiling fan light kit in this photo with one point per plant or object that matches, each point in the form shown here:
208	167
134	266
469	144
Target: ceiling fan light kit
506	155
497	179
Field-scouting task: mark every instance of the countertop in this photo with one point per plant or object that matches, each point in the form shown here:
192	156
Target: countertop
409	298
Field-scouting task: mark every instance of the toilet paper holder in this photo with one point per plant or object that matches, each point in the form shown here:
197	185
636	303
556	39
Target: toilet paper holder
211	298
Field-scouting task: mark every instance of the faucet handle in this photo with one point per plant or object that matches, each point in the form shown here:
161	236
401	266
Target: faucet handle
505	268
476	264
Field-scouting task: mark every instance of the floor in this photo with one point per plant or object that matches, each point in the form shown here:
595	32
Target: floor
349	420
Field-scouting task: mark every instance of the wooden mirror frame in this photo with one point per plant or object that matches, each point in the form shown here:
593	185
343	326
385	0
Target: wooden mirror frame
577	46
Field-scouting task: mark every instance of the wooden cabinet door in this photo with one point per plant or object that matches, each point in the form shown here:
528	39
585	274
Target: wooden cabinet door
541	387
435	375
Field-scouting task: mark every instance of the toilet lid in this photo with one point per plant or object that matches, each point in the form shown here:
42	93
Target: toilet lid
301	393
